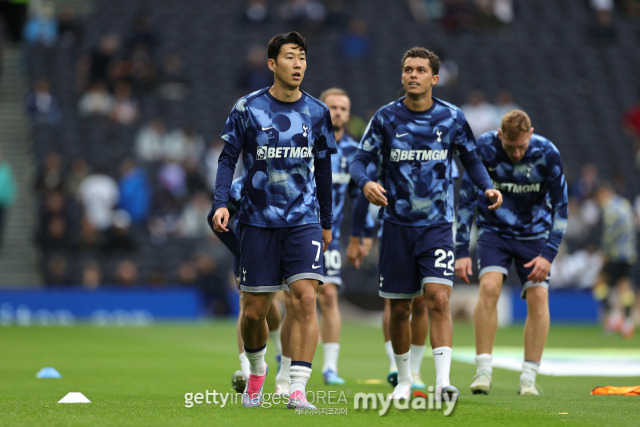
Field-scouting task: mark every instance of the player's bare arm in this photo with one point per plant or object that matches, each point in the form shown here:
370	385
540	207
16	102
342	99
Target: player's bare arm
221	220
463	269
374	193
496	198
541	267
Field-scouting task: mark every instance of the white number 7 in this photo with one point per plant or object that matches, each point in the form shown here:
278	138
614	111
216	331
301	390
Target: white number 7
319	245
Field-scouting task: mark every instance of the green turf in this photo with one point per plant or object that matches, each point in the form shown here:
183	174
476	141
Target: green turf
139	376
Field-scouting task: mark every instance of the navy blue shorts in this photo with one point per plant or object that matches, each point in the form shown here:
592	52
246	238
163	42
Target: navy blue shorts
333	263
410	257
269	255
496	253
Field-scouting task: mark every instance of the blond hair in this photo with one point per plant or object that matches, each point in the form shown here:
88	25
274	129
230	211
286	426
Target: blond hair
332	91
514	124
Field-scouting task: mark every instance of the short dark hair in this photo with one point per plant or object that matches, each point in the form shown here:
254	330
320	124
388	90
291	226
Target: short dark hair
276	42
421	52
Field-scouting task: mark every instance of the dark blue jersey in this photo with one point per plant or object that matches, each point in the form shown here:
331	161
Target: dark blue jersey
534	191
286	148
415	151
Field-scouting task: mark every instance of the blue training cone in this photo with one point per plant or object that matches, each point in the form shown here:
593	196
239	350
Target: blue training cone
48	372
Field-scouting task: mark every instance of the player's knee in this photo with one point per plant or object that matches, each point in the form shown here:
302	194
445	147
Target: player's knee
400	311
490	291
438	302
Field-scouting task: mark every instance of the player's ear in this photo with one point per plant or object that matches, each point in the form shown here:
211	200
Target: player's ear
435	79
271	63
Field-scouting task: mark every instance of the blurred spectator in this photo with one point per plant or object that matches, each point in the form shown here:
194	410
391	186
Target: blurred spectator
70	29
505	102
459	16
187	273
631	127
195	181
101	64
183	143
54	236
356	43
89	239
480	114
135	191
91	275
126	274
42	106
118	239
335	13
57	271
602	32
173	183
448	70
125	107
631	8
425	11
309	14
77	172
7	192
587	183
96	102
142	37
255	11
54	204
42	25
150	141
191	223
50	175
98	193
173	85
255	74
14	14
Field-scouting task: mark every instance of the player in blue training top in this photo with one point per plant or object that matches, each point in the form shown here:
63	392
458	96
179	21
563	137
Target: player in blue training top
287	139
340	106
527	230
416	137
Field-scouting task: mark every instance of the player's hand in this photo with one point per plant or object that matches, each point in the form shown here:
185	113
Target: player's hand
365	246
326	239
463	268
354	252
221	220
496	198
374	193
541	267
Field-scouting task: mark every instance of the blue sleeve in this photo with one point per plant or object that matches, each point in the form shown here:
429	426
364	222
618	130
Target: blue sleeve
464	218
362	223
226	167
476	170
368	150
324	185
233	134
557	186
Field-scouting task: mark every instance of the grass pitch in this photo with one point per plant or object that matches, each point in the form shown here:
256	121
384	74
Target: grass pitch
139	376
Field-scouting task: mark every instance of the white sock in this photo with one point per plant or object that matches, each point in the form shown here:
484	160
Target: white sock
256	359
392	360
417	353
442	360
483	362
404	367
285	374
274	336
299	377
244	364
331	352
529	371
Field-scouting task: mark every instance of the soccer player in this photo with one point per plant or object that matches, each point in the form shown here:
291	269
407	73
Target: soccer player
416	136
340	107
232	242
287	139
618	248
527	230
